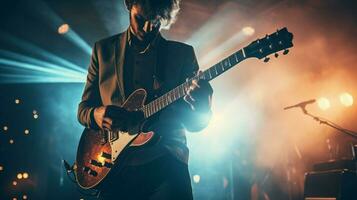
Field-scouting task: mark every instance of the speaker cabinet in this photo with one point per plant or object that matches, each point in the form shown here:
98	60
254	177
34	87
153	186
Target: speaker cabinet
328	185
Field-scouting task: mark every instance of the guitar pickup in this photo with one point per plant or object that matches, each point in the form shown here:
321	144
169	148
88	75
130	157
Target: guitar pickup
108	165
96	163
106	155
90	171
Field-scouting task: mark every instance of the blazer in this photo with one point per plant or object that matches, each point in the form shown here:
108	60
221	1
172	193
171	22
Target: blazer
105	81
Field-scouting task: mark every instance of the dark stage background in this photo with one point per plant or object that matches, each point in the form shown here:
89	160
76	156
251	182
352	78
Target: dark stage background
252	149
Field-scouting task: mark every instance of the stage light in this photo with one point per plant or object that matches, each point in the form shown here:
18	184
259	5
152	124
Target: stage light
35	116
1	168
346	99
63	29
248	31
25	175
17	101
11	141
34	112
24	196
14	198
19	176
27	132
196	178
5	128
14	183
323	103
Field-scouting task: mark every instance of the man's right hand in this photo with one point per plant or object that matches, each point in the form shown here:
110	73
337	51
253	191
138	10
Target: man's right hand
114	117
102	122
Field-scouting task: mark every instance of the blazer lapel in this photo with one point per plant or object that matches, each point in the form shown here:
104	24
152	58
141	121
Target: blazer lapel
119	61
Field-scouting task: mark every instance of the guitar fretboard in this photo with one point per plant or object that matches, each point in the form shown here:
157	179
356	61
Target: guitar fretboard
181	90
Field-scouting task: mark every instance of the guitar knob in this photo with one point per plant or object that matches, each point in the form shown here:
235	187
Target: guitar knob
286	51
266	59
276	55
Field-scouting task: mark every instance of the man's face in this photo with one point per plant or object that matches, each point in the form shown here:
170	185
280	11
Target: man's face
142	26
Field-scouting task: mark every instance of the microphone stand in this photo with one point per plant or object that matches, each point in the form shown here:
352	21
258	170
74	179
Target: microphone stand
330	124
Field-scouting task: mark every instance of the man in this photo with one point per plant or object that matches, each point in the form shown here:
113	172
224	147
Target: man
141	58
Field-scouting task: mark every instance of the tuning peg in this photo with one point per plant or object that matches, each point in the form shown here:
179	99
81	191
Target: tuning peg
266	59
276	55
286	51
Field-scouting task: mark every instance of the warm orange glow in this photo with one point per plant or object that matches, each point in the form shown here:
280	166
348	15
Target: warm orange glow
323	103
25	175
63	29
346	99
100	159
19	176
1	168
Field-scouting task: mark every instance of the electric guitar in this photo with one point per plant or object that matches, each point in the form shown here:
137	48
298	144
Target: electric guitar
99	151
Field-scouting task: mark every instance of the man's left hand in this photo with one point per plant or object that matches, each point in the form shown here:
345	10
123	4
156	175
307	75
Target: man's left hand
199	95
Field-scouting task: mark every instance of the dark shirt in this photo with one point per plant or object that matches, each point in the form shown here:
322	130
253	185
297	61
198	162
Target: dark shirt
141	71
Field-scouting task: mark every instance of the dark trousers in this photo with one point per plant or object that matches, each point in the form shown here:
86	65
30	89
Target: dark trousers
165	178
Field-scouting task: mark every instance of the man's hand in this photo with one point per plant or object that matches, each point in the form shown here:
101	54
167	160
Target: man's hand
199	95
114	117
99	116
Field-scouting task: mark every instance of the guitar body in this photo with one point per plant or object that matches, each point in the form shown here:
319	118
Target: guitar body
98	150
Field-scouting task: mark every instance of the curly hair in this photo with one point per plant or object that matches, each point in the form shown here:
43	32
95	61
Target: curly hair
167	10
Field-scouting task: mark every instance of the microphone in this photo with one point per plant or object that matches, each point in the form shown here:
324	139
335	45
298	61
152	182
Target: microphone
301	105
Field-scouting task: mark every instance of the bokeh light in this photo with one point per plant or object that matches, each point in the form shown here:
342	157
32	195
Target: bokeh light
19	176
14	183
196	178
248	31
346	99
323	103
25	175
63	29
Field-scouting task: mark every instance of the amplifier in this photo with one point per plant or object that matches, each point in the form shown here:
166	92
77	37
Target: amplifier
332	184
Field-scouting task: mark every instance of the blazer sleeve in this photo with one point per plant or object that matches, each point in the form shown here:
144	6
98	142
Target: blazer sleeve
193	121
91	95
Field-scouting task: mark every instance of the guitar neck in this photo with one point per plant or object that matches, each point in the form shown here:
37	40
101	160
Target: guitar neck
181	90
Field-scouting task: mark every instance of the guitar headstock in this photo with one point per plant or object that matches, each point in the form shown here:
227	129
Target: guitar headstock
273	43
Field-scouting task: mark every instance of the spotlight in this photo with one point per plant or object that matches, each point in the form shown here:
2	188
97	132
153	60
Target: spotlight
346	99
35	116
25	175
27	131
14	183
248	31
14	198
11	141
24	196
196	178
5	128
63	29
19	176
323	103
1	168
34	112
17	101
